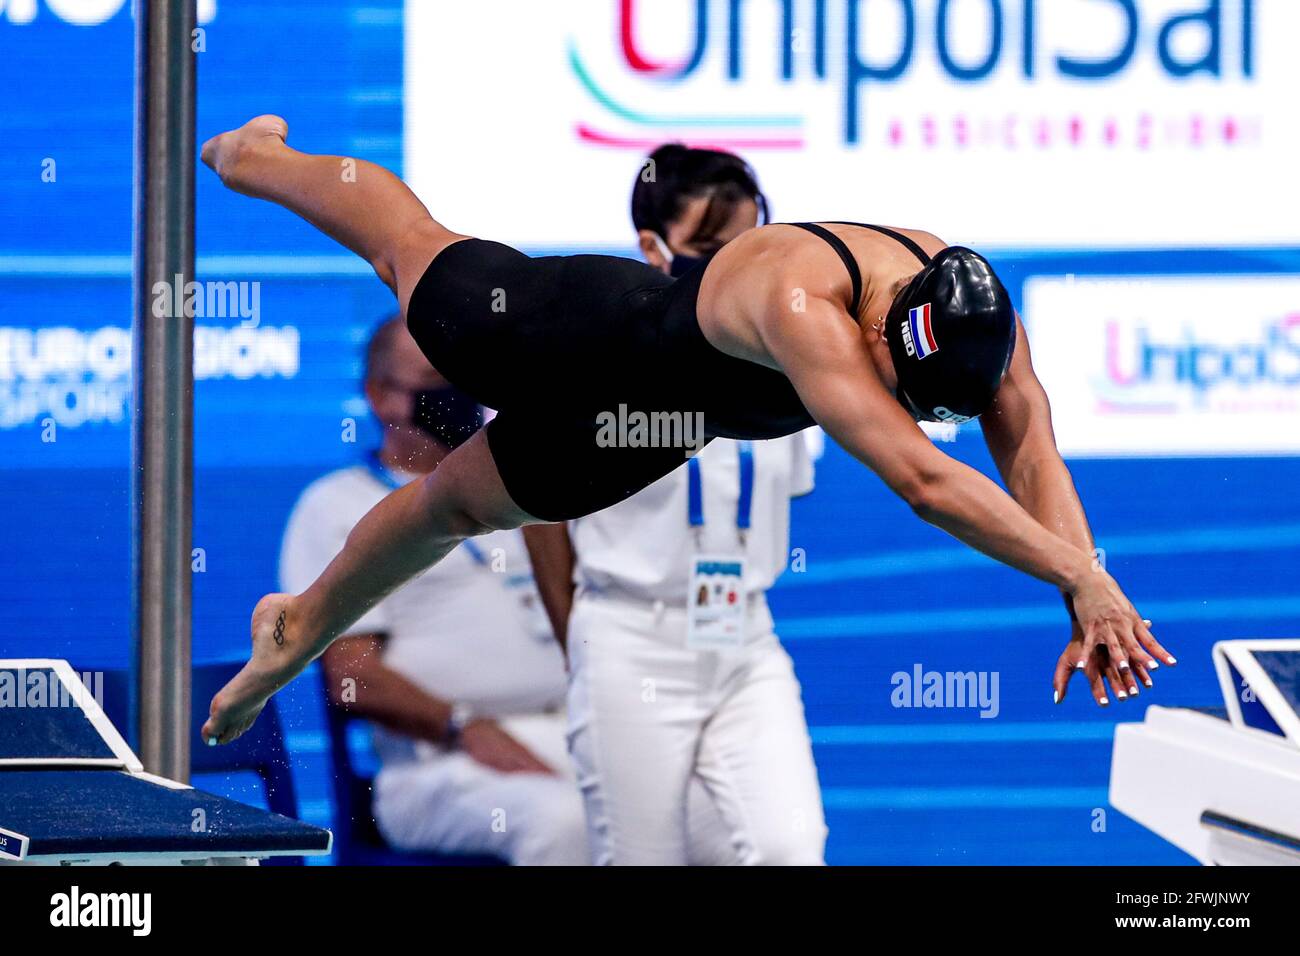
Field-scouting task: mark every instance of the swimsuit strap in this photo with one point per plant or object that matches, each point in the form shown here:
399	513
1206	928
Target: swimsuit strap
838	245
911	244
850	263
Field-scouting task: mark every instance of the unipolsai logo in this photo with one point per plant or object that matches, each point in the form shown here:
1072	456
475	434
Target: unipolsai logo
1230	367
81	13
846	54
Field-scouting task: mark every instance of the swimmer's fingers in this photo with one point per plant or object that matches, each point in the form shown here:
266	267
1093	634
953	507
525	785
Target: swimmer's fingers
1098	686
1152	646
1086	645
1131	631
1114	641
1140	674
1064	671
1119	683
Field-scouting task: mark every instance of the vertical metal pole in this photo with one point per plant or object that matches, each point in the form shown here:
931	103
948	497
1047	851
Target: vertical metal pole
162	426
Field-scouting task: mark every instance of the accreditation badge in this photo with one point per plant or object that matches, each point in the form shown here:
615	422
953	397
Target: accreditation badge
715	604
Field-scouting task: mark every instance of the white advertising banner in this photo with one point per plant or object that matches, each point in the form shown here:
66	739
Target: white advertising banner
1061	123
1169	365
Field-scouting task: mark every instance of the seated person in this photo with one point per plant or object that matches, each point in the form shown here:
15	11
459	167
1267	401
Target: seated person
458	669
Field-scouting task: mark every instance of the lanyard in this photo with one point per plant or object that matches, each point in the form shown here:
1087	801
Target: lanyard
695	489
390	480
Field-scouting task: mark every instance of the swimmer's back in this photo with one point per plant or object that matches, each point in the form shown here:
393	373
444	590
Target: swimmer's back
784	265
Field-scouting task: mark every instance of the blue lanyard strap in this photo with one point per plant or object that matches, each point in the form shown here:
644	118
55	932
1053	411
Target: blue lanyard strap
475	552
695	489
694	493
745	503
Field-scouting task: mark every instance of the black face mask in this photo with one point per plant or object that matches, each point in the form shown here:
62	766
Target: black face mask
447	415
683	264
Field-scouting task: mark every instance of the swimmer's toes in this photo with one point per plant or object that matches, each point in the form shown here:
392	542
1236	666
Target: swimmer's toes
268	124
225	153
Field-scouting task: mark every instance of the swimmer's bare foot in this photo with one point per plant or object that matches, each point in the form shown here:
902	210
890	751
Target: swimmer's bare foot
280	653
227	152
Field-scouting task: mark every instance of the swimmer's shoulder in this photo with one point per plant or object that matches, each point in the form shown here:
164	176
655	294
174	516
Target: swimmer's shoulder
758	244
773	251
740	285
752	260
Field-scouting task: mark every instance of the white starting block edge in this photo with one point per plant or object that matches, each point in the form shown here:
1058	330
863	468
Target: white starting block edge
123	757
1178	764
1206	784
1240	655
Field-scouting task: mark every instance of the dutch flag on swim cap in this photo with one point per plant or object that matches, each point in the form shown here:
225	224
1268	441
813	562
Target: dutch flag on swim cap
922	333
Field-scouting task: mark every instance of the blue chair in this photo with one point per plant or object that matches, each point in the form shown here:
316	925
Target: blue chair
261	750
357	840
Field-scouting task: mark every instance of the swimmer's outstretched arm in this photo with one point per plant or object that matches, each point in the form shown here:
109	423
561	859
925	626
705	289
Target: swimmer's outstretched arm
822	353
1018	431
408	531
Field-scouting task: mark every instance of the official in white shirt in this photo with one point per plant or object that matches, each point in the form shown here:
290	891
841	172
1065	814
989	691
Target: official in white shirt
679	685
458	670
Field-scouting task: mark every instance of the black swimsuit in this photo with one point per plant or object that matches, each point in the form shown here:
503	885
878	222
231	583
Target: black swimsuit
562	345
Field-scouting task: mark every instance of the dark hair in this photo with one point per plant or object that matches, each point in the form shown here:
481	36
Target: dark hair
674	173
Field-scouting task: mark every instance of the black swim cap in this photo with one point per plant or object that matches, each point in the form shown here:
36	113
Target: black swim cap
951	333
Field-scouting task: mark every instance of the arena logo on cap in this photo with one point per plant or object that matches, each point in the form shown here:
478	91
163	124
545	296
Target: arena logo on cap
884	46
946	415
918	334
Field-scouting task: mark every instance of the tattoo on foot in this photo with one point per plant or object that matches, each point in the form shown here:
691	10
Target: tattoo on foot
279	630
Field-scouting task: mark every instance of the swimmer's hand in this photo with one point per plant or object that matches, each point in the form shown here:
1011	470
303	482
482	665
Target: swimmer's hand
280	654
1109	642
1098	671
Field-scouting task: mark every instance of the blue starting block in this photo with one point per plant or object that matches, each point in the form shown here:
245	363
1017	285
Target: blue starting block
72	791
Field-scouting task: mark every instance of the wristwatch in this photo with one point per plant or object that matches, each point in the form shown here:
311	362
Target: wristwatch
457	721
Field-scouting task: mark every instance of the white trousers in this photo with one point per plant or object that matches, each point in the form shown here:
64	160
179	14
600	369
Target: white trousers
451	803
685	756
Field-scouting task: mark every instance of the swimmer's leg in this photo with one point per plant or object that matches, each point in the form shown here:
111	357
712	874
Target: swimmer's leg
359	204
410	530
